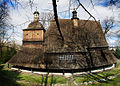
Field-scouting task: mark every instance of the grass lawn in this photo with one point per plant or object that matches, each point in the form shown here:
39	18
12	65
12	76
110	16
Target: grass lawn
26	79
15	78
112	82
5	80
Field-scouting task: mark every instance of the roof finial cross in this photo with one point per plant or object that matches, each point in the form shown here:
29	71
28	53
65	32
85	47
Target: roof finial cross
74	9
36	8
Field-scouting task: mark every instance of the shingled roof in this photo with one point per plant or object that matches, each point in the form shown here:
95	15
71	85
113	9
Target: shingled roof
28	57
35	25
88	34
86	42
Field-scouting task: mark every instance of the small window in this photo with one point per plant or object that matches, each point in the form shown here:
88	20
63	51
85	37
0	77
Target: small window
62	57
66	57
70	57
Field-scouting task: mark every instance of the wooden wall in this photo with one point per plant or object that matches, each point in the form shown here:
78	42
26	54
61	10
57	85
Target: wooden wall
33	35
30	45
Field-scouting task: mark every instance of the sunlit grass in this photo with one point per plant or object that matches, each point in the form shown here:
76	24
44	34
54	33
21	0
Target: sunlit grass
105	74
35	78
113	82
31	78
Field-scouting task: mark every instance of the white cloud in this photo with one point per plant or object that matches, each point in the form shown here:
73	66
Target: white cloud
25	13
114	32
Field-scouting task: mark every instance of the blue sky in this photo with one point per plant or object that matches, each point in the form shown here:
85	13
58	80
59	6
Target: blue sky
100	12
106	3
11	3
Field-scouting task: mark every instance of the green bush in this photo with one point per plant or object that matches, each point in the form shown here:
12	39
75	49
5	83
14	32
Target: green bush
117	52
7	53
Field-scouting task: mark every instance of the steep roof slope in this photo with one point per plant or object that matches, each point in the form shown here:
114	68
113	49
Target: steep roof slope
87	34
28	57
86	42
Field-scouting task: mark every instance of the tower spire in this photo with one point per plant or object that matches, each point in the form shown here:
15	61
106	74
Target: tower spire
36	8
36	15
74	16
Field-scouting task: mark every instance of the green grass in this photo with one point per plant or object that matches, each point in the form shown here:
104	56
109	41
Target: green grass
108	73
9	76
6	80
113	82
60	80
38	79
28	77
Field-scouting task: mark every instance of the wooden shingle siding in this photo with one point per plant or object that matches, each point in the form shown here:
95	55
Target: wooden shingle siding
36	35
84	46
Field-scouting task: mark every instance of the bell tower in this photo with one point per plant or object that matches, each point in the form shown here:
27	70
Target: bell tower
33	36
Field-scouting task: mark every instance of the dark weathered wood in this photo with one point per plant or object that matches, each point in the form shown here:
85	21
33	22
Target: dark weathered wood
84	47
98	47
56	18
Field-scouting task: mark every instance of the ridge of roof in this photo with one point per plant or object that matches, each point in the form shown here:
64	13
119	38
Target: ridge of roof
53	20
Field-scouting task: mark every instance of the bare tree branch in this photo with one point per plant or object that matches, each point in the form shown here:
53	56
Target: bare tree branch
108	23
86	10
56	18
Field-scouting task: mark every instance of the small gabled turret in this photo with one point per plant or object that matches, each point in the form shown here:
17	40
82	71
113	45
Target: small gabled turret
75	18
36	16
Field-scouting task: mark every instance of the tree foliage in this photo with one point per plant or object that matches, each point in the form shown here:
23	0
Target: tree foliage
7	53
4	24
117	52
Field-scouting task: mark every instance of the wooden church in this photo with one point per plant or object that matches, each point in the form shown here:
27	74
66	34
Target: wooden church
84	47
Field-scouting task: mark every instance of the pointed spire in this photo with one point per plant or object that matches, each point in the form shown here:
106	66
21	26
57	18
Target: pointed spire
36	8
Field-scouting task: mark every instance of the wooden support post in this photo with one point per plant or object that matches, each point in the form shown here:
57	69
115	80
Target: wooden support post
31	70
8	66
51	81
42	84
46	79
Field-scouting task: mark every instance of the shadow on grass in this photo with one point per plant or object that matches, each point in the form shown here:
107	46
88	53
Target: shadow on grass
8	78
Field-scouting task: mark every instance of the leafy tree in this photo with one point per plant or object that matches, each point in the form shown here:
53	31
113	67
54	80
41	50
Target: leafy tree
117	52
7	53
